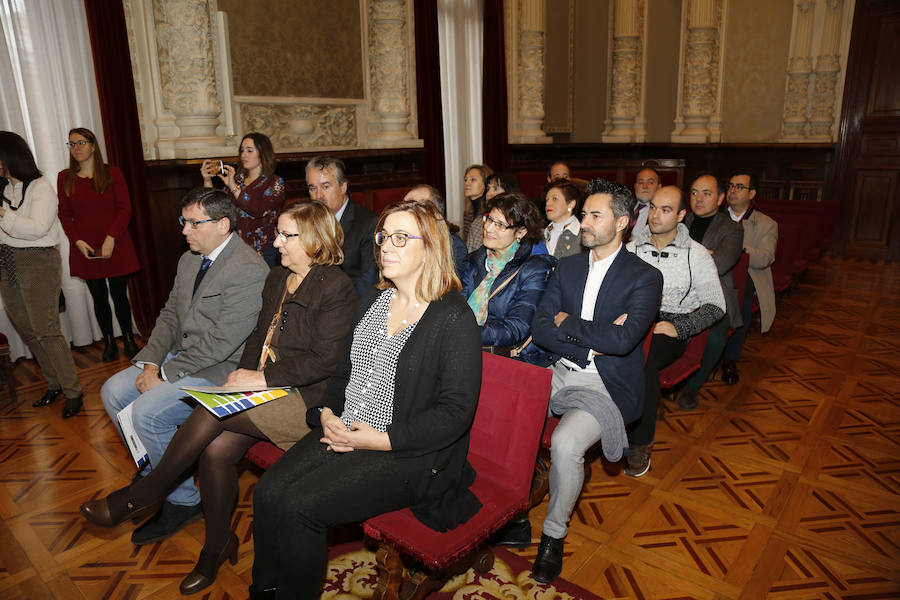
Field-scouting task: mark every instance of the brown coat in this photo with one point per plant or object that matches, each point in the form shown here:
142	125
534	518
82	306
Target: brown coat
314	324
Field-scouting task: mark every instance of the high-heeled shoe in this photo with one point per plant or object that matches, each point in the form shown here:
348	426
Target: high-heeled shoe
128	345
72	407
100	512
204	573
48	398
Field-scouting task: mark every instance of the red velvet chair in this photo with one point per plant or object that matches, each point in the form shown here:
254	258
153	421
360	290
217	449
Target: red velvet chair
381	199
6	370
503	446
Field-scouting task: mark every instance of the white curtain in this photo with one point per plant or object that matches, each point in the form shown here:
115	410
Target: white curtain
460	33
48	88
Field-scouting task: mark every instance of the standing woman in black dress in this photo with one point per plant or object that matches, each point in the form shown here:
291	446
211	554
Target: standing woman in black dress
31	269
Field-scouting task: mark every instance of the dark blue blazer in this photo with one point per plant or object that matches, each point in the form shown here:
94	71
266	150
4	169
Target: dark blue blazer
630	286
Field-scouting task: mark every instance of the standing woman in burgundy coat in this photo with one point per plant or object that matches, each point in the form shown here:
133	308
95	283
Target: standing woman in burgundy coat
94	209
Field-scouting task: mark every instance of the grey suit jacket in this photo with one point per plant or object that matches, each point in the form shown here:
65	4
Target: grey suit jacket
725	238
207	330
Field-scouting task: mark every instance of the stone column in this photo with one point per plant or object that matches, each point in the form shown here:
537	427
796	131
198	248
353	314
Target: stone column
796	97
526	117
699	94
624	120
826	73
390	79
187	71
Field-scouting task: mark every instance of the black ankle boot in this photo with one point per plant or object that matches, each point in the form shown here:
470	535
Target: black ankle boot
72	407
110	350
128	345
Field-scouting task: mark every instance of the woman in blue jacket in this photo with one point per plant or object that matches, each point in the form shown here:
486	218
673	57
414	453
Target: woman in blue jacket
505	278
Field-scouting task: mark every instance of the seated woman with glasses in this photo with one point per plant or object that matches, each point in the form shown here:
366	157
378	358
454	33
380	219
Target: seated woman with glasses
394	425
307	309
505	278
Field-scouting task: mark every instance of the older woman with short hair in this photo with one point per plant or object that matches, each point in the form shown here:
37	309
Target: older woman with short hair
506	277
562	206
307	311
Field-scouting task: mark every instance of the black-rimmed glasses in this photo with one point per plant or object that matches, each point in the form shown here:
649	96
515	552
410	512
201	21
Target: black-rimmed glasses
398	239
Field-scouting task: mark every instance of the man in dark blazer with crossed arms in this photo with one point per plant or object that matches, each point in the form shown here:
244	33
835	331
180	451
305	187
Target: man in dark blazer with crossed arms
326	180
593	318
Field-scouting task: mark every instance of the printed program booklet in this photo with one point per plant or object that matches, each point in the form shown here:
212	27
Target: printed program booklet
135	446
228	400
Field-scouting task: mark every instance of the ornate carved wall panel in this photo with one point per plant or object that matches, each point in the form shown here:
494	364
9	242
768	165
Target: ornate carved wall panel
525	70
294	125
625	113
699	88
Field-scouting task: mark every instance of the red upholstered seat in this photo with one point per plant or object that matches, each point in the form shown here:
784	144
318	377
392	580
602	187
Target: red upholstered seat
381	199
689	362
503	447
264	454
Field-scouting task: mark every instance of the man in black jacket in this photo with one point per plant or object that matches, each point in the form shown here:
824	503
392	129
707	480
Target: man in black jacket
326	180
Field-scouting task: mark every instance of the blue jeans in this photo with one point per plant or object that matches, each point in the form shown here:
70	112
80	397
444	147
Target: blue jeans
156	415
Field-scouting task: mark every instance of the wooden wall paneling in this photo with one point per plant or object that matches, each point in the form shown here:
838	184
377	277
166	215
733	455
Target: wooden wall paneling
868	154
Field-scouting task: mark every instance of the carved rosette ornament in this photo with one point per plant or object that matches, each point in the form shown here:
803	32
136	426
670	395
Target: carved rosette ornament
296	127
826	74
389	72
187	69
796	98
624	121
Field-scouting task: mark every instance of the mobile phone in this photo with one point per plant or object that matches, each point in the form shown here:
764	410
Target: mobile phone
91	254
221	168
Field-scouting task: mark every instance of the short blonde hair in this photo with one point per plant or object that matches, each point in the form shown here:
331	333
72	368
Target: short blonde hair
439	274
321	235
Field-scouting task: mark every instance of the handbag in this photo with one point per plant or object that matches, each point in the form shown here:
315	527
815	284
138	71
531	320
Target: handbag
508	351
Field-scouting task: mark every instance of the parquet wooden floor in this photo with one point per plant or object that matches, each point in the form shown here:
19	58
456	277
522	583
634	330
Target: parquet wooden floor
785	486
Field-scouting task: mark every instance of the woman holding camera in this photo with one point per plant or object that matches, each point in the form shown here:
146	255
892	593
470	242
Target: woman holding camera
94	209
257	191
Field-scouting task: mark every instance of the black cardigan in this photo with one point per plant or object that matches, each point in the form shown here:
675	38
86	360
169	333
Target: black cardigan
436	390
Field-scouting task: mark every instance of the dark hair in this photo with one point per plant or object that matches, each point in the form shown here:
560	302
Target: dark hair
753	181
623	201
102	179
17	159
507	181
216	203
266	153
323	162
518	210
558	162
721	186
570	192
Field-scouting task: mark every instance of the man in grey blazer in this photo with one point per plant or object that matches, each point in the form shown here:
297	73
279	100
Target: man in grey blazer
723	238
197	340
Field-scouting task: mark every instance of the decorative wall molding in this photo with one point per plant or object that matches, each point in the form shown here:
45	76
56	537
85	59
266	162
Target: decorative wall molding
186	105
391	73
625	106
525	70
699	108
300	124
813	88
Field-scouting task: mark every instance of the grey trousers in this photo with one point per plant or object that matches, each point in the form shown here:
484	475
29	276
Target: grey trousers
576	433
33	308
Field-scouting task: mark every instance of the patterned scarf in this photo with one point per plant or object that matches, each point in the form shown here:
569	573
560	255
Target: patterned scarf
494	263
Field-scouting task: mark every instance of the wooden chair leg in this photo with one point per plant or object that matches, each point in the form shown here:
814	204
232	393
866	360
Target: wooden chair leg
390	573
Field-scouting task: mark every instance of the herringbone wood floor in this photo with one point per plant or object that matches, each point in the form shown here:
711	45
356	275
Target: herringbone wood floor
784	486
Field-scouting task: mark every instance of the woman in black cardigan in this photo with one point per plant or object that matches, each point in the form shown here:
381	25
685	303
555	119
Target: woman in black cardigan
395	421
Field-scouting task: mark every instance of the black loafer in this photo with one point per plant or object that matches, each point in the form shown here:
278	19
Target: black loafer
549	559
48	398
171	519
730	372
515	534
72	407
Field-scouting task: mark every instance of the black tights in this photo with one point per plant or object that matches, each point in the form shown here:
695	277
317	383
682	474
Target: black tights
219	445
118	289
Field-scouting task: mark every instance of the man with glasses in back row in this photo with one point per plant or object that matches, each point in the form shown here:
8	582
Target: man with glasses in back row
197	340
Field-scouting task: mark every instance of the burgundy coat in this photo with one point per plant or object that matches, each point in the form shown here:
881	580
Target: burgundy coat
89	216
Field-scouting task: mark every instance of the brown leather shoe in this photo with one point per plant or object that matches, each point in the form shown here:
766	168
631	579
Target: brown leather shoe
104	513
204	574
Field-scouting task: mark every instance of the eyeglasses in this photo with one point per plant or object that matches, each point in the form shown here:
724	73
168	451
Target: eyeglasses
78	143
284	237
194	224
740	187
398	239
501	226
